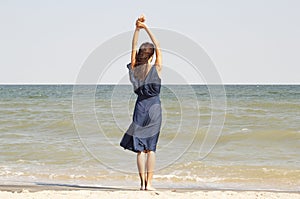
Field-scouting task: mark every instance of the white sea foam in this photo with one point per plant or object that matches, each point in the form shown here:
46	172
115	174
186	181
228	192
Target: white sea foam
39	140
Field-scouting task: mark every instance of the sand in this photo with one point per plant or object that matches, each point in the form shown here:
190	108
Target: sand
60	191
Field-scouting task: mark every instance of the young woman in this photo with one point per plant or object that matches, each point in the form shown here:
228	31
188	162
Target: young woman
142	135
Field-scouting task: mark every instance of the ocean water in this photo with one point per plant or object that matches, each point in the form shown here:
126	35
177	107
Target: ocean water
245	138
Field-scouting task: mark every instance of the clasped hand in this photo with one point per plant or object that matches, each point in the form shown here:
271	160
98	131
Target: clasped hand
140	22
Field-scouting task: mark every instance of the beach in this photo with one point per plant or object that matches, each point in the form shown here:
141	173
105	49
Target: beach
96	96
73	192
55	142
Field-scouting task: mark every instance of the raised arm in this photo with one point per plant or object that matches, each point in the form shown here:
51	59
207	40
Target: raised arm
134	46
158	60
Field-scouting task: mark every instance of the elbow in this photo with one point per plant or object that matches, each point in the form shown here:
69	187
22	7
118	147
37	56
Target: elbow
157	49
157	46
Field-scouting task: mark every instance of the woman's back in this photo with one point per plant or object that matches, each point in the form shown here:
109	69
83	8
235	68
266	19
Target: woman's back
140	72
150	83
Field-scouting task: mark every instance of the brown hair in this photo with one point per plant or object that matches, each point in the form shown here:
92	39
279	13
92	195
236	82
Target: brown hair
145	52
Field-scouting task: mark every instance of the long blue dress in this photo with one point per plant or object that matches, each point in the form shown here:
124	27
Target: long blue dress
144	130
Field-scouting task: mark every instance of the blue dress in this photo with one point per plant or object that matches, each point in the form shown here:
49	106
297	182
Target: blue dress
144	130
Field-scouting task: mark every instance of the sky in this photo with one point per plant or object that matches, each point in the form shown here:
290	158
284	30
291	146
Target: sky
249	42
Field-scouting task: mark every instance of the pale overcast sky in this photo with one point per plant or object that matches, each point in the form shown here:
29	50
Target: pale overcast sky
250	41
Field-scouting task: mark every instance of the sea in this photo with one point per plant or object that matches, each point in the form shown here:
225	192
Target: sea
241	137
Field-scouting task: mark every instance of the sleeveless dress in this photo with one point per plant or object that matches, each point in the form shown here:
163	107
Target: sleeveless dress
144	130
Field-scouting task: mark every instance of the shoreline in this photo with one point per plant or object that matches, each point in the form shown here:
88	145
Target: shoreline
43	186
48	190
71	189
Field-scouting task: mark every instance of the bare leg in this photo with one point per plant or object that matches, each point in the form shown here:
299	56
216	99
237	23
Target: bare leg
150	169
141	161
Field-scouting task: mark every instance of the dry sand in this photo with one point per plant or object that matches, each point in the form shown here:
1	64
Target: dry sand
76	192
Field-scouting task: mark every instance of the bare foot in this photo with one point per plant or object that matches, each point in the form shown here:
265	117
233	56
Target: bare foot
150	188
143	187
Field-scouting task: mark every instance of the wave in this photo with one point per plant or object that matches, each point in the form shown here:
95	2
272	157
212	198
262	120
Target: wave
189	175
261	136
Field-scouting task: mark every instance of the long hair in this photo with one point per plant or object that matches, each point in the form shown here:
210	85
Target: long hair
145	52
141	61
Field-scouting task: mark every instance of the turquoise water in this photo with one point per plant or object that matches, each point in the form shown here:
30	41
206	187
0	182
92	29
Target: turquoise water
49	134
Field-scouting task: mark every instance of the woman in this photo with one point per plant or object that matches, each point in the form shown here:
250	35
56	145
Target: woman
142	135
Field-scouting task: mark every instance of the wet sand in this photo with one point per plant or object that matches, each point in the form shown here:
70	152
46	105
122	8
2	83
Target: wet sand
44	190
